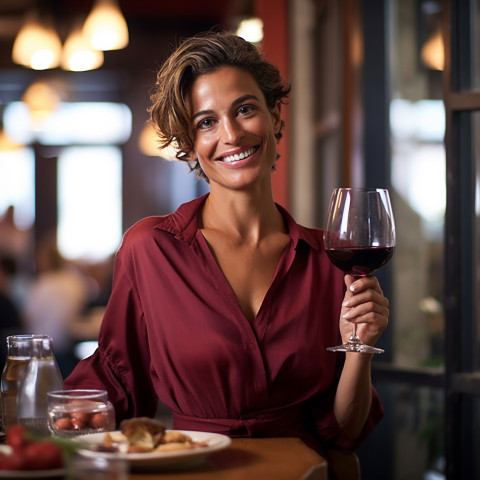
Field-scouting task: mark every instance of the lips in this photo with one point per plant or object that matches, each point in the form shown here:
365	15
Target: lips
239	156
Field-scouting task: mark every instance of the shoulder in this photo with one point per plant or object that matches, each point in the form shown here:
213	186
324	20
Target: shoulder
140	244
312	236
143	228
142	232
180	225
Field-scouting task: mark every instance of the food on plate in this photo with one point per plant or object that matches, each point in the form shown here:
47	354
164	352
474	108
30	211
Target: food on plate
23	452
144	434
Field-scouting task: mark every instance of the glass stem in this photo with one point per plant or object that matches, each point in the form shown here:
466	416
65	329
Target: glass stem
355	338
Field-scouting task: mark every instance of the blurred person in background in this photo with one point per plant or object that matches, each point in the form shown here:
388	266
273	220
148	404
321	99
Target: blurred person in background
56	300
85	330
17	244
14	241
10	318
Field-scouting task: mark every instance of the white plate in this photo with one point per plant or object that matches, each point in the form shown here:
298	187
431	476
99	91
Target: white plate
214	441
33	474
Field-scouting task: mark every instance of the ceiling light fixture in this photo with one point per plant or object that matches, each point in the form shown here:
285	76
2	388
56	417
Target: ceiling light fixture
6	144
78	55
149	144
105	26
432	54
251	29
37	45
42	100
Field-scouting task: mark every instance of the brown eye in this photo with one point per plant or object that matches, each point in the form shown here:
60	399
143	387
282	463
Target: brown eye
245	109
205	123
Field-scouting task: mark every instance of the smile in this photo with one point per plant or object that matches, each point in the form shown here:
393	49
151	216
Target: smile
239	156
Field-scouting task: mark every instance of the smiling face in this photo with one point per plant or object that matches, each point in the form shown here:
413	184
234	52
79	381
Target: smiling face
233	129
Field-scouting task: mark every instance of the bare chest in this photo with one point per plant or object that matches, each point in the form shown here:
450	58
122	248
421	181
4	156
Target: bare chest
248	270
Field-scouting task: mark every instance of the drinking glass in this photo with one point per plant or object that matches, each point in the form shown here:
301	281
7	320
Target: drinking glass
79	412
359	239
41	376
97	468
18	357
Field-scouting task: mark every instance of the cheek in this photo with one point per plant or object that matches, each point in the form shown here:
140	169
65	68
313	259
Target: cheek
204	146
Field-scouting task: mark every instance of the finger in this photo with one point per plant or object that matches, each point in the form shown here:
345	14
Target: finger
366	313
356	285
364	297
371	326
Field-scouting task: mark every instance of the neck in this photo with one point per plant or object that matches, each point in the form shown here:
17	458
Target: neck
243	216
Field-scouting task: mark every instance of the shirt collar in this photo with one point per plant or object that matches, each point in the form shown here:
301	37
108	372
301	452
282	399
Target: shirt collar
299	232
183	223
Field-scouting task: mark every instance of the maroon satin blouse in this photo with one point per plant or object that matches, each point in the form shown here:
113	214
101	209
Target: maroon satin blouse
173	330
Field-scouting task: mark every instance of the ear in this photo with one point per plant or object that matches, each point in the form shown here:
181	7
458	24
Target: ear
277	117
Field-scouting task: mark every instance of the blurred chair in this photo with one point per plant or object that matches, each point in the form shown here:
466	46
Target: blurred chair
342	465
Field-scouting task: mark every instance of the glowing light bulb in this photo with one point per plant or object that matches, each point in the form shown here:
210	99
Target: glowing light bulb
105	26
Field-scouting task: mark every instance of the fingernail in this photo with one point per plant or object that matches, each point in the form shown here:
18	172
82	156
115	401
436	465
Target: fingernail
346	315
353	287
345	304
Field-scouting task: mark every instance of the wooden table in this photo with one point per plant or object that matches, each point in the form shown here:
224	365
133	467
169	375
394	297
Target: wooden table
251	459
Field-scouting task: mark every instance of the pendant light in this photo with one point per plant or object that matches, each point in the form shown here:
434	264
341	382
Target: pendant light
251	29
42	100
78	55
105	26
6	143
432	53
149	142
37	45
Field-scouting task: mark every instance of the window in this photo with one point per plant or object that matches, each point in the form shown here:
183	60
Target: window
386	117
84	138
89	202
17	185
88	123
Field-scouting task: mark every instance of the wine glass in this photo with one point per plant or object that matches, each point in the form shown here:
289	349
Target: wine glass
359	238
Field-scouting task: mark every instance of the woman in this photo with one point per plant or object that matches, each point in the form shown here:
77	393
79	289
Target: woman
224	309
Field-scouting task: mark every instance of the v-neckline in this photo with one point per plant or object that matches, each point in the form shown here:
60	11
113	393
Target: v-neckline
261	319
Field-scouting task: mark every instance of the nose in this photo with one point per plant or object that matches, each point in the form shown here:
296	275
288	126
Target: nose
232	131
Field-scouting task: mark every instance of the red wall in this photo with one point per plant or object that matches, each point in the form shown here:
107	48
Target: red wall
274	14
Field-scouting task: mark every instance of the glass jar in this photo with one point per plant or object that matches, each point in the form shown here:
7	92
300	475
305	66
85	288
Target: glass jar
41	377
18	356
79	412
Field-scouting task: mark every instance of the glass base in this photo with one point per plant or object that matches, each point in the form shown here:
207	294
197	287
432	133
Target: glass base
355	345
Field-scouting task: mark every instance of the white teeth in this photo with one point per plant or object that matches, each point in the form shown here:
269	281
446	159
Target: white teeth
239	156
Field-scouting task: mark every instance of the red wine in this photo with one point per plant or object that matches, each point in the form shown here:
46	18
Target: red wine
360	261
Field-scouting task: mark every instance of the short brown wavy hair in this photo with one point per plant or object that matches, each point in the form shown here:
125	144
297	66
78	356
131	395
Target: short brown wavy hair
198	55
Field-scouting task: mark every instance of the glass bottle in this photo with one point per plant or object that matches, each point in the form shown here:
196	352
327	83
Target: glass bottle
18	355
42	376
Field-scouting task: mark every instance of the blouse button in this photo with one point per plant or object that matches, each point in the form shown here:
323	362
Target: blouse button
251	347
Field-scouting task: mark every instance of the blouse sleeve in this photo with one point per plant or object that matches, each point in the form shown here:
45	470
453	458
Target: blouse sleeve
121	363
326	426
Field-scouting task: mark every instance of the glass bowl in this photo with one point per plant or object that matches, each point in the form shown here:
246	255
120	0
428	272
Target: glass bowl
79	412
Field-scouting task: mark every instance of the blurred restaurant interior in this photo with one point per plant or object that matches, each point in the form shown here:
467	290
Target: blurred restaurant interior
384	93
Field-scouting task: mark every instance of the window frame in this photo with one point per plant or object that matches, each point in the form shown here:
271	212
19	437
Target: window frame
460	309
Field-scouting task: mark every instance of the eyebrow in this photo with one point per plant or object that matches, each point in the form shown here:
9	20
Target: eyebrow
236	102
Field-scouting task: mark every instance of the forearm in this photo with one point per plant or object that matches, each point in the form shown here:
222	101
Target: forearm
354	394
